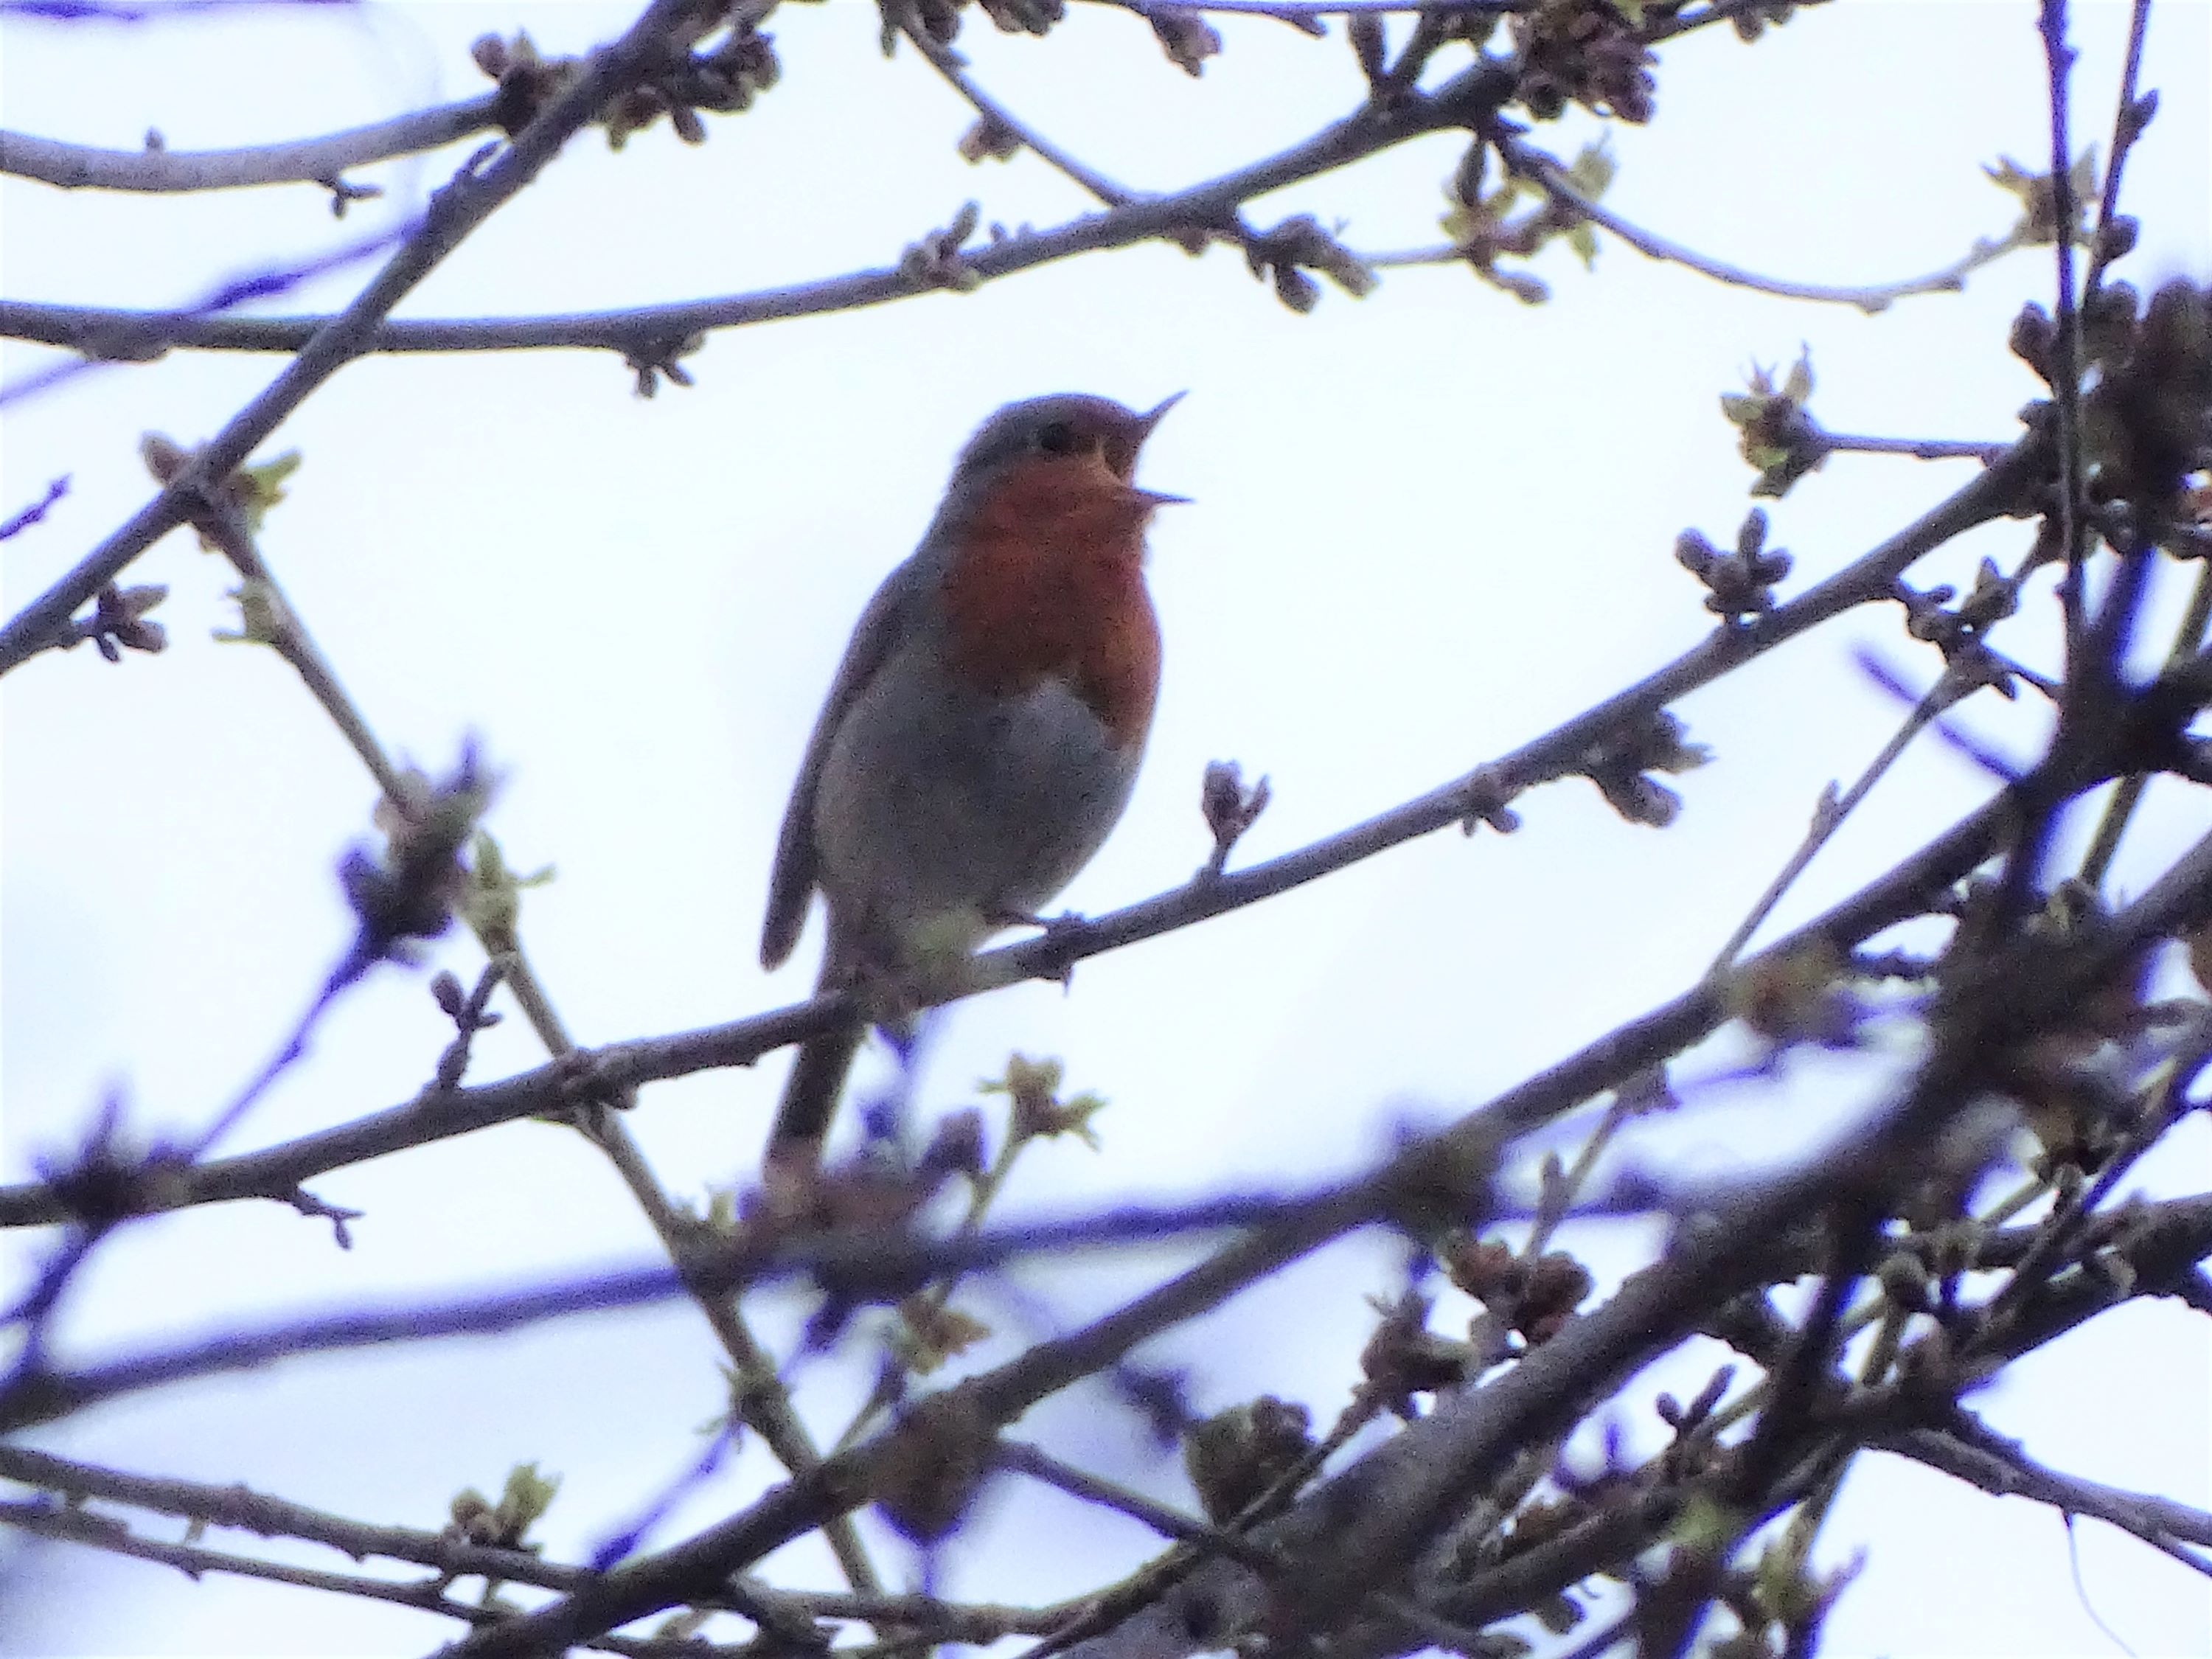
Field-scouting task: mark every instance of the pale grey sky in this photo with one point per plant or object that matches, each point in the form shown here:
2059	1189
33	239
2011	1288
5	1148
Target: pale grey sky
1426	525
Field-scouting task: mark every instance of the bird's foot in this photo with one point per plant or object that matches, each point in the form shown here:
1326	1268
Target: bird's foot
1061	927
1060	930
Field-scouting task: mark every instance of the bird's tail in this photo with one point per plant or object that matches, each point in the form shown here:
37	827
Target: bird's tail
810	1096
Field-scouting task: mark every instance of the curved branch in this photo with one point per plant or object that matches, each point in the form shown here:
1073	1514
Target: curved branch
948	64
302	161
1971	1452
78	1526
1533	164
240	1506
439	1114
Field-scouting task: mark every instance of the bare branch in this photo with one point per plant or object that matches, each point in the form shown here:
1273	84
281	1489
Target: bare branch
1470	96
1921	449
1533	163
2112	238
305	161
1973	1453
1831	810
947	62
78	1526
18	522
248	1511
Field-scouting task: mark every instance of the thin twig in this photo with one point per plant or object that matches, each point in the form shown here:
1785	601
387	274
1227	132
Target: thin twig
1832	810
1558	1197
102	1532
761	1400
1924	449
2066	1230
1230	228
1716	11
947	62
864	1255
2066	353
1970	1452
1544	170
81	1527
18	523
2188	641
2127	126
302	161
223	526
1040	1465
240	1507
1144	1586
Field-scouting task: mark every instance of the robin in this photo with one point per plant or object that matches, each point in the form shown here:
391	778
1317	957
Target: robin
983	734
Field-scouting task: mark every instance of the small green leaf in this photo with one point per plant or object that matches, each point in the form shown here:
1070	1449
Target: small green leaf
258	488
1594	170
1799	387
262	618
525	1499
493	901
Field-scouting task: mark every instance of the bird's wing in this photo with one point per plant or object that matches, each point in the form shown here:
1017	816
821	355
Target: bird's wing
892	616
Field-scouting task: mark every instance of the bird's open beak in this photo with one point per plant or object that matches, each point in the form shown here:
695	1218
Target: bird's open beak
1145	423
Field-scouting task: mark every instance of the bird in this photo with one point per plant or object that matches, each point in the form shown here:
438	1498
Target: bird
983	734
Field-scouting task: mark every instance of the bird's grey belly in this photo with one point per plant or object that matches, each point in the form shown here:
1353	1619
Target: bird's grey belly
937	802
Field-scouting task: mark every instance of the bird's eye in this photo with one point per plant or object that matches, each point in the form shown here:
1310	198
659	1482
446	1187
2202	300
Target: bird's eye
1057	438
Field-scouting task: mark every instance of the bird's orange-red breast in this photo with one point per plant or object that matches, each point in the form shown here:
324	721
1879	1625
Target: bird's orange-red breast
983	734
